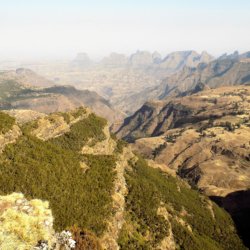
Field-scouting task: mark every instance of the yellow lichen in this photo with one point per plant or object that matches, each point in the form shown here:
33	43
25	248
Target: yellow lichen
23	222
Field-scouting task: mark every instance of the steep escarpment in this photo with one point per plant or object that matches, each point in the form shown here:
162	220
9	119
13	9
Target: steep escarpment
114	197
164	211
229	70
156	117
204	138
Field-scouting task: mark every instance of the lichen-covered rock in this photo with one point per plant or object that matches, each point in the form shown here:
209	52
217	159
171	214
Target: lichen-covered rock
24	222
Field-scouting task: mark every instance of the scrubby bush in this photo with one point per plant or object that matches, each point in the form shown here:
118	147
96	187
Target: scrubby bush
148	190
120	145
6	122
84	240
50	170
81	132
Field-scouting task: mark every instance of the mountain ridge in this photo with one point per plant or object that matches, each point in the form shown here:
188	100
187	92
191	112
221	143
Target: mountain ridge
116	200
20	91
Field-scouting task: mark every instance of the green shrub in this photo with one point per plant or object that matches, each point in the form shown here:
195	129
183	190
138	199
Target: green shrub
81	132
120	144
149	189
78	112
84	240
51	171
6	122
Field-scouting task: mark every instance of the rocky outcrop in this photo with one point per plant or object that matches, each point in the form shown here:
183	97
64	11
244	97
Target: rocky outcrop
10	137
28	224
168	243
24	223
110	237
104	147
141	59
177	60
55	125
114	60
24	116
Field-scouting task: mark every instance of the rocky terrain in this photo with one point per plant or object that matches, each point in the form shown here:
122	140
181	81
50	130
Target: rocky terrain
195	132
227	70
204	138
56	174
17	91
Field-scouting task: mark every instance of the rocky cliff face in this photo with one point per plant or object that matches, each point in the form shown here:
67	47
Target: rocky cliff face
115	60
228	70
190	134
225	71
177	60
156	117
95	181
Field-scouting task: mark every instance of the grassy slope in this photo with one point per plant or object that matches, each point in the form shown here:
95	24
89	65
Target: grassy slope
148	190
51	171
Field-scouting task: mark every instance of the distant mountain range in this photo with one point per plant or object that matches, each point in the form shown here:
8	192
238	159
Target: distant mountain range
146	60
227	70
116	77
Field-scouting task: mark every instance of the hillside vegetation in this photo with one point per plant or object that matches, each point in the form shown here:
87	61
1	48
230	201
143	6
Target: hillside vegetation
192	219
107	201
6	123
204	138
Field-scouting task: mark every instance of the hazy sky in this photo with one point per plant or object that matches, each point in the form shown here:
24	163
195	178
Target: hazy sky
61	28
